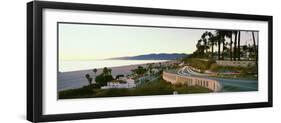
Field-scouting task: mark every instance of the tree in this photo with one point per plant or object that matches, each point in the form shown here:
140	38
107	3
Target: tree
89	78
95	71
106	71
220	37
223	46
140	70
200	49
102	79
160	64
109	71
255	48
244	50
203	38
229	35
198	44
238	50
235	46
212	41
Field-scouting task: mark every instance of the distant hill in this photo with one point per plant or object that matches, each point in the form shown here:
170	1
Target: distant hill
161	56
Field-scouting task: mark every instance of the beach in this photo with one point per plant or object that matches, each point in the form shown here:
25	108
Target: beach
76	79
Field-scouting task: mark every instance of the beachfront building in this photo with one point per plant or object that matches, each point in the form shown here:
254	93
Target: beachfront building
125	83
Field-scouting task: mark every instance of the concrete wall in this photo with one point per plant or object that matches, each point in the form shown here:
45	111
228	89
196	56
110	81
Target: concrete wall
192	81
235	63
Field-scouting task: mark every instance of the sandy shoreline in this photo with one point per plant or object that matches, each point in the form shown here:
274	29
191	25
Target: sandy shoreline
76	79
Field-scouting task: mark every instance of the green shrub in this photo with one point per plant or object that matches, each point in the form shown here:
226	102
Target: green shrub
202	64
192	89
244	71
140	70
102	79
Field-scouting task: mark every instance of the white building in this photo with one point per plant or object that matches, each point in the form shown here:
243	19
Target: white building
128	83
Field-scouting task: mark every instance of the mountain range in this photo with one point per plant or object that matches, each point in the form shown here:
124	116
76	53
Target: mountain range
160	56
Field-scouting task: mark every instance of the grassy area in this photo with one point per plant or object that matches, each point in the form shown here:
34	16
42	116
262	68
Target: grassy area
156	87
238	76
218	68
199	63
243	72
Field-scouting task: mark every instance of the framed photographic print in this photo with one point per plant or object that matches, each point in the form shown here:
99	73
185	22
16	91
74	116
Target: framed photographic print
96	61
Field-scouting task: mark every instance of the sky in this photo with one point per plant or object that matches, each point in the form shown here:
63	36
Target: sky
94	42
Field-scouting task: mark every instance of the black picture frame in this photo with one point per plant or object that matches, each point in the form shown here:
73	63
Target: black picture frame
35	69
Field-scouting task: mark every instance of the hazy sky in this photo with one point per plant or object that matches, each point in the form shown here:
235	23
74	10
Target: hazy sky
89	42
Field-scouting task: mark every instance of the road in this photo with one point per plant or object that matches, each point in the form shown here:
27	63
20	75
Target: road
227	84
143	79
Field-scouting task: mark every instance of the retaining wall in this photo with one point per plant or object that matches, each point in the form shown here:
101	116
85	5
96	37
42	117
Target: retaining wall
192	81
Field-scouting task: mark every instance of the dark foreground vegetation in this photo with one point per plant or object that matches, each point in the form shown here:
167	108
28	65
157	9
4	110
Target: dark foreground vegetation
156	87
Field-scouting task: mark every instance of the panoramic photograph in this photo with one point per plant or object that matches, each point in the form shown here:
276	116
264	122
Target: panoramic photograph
110	60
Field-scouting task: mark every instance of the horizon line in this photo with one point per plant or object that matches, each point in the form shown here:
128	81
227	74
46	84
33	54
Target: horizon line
112	58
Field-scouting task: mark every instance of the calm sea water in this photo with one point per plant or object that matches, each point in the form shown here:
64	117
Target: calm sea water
66	66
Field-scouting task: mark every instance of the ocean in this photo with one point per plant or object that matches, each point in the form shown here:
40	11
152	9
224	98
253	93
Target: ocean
66	66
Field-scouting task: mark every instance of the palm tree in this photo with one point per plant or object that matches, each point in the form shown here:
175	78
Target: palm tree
229	35
105	71
239	37
198	44
200	48
219	48
109	71
205	45
203	38
223	46
95	71
220	38
235	45
89	78
222	34
212	41
255	48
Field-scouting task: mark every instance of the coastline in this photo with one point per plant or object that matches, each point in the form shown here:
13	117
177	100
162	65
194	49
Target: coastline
76	79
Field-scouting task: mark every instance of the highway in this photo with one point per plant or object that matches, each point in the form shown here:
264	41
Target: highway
228	85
